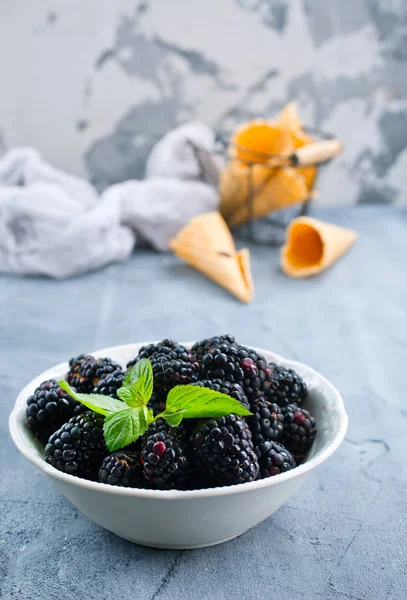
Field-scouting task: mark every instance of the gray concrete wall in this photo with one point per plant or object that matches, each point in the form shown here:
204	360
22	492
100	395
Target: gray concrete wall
93	84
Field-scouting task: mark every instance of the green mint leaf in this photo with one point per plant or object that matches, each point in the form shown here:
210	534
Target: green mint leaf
123	427
141	370
96	402
196	402
142	392
138	384
125	394
173	419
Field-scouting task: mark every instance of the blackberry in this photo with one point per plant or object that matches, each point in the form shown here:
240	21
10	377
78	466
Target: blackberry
234	390
48	408
238	364
102	368
164	456
223	451
164	347
299	430
274	459
80	374
175	368
80	409
286	386
86	371
122	468
78	447
172	364
266	422
201	348
109	385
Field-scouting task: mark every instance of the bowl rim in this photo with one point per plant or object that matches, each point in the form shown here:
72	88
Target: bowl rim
21	438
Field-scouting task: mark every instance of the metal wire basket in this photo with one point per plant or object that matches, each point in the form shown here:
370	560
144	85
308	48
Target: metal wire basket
269	230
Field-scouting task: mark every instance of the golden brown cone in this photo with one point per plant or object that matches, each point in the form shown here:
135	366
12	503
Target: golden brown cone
288	118
277	189
207	245
233	188
312	246
255	140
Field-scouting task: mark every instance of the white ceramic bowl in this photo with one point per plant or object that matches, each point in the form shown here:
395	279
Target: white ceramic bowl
188	519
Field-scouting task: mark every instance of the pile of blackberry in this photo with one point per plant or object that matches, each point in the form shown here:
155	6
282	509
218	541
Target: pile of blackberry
196	454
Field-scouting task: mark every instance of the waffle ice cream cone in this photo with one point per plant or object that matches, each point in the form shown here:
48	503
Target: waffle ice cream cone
312	246
206	244
256	140
289	119
274	189
233	188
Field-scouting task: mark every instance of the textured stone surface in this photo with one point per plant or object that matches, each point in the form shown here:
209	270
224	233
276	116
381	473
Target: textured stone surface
341	536
102	81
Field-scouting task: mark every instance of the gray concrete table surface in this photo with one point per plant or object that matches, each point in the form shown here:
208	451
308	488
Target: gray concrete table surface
342	535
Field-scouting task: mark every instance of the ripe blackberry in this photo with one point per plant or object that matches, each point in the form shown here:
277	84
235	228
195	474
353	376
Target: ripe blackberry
172	364
201	348
48	408
175	368
78	447
109	385
299	430
86	371
274	459
164	456
164	347
223	451
286	386
238	364
80	374
102	368
234	390
266	422
122	468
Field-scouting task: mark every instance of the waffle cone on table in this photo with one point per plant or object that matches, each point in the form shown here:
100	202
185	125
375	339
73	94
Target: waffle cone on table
278	188
312	246
206	244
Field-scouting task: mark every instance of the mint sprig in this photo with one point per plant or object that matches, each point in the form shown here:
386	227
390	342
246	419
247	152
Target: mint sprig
128	418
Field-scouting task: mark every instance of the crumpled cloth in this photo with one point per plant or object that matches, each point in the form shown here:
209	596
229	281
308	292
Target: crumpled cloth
54	224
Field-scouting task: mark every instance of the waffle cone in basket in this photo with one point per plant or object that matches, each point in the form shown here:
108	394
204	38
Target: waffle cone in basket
256	140
312	246
289	119
206	244
273	189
